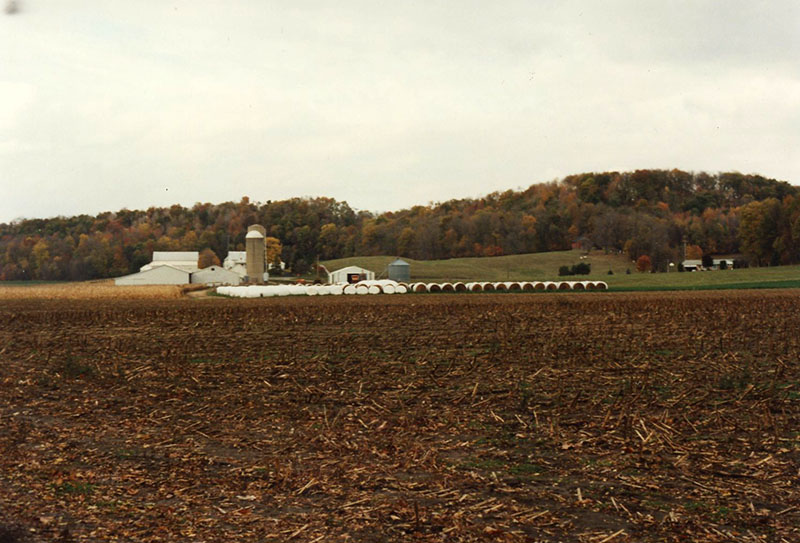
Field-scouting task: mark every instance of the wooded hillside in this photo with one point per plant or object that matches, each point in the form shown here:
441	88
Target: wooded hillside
646	212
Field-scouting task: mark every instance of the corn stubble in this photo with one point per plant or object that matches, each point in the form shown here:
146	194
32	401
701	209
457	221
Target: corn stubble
589	417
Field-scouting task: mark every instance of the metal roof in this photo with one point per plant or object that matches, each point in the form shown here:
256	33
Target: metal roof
176	256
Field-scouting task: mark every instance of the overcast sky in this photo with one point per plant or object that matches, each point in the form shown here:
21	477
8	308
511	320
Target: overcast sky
120	104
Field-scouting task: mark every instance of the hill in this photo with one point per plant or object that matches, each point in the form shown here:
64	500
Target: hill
658	213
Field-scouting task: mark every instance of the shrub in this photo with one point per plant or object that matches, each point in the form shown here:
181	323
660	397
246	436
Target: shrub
584	268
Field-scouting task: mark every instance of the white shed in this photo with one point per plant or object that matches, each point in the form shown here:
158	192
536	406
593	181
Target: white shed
160	275
216	275
350	274
184	260
692	265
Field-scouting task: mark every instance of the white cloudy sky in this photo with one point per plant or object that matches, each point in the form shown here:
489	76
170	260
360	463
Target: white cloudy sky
119	103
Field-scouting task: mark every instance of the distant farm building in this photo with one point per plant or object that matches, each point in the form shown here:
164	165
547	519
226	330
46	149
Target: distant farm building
350	274
400	271
184	260
216	275
236	261
165	274
692	265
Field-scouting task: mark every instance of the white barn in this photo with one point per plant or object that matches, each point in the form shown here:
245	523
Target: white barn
184	260
216	275
236	261
160	275
350	274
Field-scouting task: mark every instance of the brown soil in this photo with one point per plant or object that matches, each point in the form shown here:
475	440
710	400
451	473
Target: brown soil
589	417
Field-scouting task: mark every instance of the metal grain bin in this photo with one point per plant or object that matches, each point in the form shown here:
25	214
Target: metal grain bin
400	270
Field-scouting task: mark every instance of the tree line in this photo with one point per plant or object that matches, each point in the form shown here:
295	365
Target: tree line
663	214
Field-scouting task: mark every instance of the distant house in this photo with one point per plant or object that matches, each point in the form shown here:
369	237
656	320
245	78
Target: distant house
165	274
692	265
350	274
216	275
718	263
184	260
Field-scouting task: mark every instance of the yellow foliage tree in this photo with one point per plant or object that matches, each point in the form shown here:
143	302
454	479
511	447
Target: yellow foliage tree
274	250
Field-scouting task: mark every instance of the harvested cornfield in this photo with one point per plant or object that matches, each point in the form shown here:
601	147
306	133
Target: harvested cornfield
535	417
93	290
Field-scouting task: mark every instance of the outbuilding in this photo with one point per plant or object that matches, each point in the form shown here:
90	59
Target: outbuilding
400	271
350	274
184	260
236	261
160	275
216	275
692	265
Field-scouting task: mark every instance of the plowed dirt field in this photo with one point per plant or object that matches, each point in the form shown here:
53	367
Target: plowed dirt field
593	417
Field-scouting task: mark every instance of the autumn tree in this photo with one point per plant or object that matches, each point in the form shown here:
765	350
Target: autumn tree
207	258
274	249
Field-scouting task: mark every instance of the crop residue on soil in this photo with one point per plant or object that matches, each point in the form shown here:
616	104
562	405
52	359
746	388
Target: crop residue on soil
593	417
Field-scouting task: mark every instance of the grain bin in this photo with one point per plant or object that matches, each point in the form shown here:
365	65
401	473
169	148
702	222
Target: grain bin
399	270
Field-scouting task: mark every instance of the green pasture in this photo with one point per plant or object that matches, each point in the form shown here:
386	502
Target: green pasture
544	267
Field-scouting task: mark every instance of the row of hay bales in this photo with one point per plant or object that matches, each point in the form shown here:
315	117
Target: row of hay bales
387	286
508	286
383	286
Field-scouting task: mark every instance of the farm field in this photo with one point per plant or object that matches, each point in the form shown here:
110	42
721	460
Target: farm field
544	267
89	290
591	417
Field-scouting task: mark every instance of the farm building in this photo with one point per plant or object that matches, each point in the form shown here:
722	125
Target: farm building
216	275
184	260
165	274
236	261
692	265
350	274
256	257
400	271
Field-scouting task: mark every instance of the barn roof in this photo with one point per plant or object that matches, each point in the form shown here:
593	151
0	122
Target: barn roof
176	256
